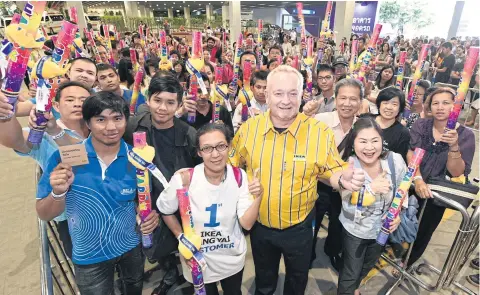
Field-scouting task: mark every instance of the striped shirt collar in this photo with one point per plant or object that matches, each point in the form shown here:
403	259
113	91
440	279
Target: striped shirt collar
292	129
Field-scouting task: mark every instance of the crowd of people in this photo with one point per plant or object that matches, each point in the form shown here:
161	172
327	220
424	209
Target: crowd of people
298	159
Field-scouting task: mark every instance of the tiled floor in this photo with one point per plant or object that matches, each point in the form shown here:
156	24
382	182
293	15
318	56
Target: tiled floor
19	262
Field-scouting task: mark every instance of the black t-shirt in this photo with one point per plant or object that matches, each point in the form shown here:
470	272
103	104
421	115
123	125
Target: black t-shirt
397	139
448	62
201	120
458	67
165	142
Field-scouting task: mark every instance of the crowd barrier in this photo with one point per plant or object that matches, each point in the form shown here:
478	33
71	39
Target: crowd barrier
56	270
464	244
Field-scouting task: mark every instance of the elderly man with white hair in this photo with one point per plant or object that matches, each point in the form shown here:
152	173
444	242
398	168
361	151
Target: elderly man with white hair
290	150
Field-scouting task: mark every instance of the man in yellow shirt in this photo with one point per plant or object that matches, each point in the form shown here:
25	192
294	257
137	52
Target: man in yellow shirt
291	150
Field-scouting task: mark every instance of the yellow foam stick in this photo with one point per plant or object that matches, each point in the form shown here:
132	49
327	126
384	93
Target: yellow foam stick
50	69
308	61
197	63
165	65
368	199
195	239
242	98
147	153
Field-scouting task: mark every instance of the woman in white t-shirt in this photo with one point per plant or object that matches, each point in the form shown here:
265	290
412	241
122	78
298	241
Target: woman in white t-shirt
222	202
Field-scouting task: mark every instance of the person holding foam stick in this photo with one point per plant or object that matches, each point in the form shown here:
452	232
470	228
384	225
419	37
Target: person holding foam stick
222	202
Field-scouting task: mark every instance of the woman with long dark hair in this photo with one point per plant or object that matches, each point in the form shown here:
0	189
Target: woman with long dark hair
384	58
384	79
362	216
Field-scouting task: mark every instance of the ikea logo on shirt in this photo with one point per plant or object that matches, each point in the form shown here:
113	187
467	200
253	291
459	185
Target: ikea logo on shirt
127	191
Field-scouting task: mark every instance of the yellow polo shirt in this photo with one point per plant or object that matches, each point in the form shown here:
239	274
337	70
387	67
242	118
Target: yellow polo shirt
289	164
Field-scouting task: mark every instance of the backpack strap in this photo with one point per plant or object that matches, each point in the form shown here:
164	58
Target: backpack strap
237	172
188	175
391	166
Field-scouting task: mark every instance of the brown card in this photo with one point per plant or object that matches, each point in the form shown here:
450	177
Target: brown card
74	154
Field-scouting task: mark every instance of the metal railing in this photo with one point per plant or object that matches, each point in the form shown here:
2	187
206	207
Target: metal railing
55	274
465	243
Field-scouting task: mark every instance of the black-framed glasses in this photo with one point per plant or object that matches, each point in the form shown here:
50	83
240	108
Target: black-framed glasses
209	149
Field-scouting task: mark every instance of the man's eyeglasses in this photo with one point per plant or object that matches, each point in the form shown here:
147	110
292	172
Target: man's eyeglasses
327	78
209	149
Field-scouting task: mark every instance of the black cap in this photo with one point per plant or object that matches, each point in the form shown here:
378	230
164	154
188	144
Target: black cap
340	60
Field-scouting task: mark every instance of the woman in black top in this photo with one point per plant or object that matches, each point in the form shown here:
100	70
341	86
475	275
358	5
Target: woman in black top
391	103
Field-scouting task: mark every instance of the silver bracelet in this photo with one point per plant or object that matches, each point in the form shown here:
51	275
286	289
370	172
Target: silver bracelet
60	196
59	135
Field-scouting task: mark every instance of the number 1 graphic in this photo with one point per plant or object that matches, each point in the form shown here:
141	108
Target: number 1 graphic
213	216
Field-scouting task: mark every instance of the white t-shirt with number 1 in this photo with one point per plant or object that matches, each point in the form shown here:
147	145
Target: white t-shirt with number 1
216	211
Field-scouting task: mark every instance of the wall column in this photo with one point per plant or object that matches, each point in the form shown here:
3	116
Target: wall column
457	15
235	20
343	20
186	12
224	15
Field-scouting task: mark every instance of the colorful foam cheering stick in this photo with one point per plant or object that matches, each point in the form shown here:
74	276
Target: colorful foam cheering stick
45	70
72	12
470	62
190	242
308	64
111	58
96	54
369	52
326	22
140	163
22	35
416	78
236	70
133	59
246	93
353	57
321	50
136	90
143	180
195	63
342	47
400	195
193	92
224	42
165	64
259	45
301	20
401	69
216	101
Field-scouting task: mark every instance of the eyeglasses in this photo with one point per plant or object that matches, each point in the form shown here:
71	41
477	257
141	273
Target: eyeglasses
327	78
209	149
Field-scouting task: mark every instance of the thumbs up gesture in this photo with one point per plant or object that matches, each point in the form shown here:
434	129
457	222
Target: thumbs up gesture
352	178
254	186
381	185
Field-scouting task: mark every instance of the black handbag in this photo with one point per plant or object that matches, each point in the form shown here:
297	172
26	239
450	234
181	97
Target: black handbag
464	194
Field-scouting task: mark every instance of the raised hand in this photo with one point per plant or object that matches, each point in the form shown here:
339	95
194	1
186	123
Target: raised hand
381	185
61	178
254	186
352	178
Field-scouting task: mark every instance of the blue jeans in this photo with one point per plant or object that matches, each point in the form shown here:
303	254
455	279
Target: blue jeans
98	278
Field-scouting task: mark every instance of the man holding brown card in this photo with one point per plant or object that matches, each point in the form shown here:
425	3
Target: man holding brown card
98	198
